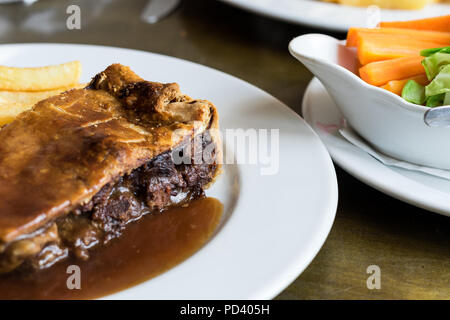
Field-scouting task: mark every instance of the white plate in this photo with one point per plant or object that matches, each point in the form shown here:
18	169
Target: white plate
422	190
274	225
332	16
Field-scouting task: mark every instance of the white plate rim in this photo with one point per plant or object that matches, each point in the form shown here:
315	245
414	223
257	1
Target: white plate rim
330	16
276	283
418	195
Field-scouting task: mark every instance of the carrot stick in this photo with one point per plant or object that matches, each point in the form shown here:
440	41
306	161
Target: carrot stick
434	24
396	86
376	48
354	35
381	72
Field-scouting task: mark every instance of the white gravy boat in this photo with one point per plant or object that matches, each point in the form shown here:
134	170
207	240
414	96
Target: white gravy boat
392	125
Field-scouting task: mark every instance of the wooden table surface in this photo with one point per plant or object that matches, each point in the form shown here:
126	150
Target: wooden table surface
410	245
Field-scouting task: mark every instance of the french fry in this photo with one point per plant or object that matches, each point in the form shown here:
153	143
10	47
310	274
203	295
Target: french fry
9	112
32	97
12	103
40	79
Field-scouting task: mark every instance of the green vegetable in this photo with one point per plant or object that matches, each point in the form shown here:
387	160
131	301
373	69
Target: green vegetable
447	99
437	68
429	52
435	101
414	92
440	84
434	64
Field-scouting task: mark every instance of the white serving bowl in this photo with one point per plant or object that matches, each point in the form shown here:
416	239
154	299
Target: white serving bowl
392	125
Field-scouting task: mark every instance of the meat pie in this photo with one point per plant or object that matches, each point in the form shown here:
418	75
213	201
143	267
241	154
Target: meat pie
80	166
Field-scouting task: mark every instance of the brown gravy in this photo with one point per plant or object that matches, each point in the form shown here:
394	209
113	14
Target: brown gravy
147	248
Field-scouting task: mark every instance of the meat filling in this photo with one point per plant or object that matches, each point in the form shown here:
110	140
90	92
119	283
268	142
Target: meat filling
152	187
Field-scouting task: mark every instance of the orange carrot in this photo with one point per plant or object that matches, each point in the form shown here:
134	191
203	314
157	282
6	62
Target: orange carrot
381	72
434	24
396	86
376	48
354	34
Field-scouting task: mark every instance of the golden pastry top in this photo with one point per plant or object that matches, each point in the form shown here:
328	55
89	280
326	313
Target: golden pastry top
63	151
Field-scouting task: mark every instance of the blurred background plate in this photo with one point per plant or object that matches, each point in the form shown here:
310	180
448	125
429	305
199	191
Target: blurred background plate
333	16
